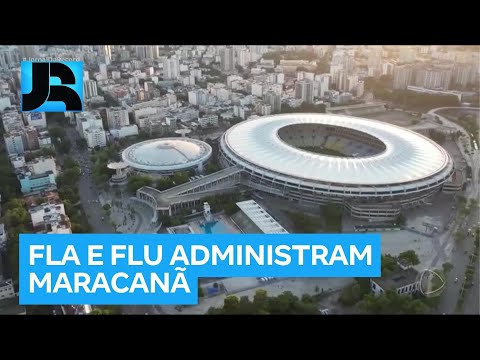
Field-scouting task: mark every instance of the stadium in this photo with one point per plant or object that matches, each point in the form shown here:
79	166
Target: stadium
371	167
166	156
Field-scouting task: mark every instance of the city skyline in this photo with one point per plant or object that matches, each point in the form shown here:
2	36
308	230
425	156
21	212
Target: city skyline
321	138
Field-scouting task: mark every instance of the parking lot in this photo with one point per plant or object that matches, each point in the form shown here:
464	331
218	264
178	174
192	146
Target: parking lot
398	118
236	286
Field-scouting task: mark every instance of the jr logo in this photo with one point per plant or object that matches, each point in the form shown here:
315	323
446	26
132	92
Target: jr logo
52	86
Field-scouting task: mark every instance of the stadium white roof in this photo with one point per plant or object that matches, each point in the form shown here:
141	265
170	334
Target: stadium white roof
166	154
408	156
261	218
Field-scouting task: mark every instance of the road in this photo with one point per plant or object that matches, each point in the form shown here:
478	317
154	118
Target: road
94	211
462	249
87	189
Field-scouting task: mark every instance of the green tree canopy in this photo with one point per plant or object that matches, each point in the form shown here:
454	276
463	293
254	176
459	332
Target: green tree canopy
285	303
389	264
392	303
69	162
409	257
135	182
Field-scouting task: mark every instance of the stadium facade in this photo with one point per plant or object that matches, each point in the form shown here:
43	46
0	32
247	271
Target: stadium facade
372	168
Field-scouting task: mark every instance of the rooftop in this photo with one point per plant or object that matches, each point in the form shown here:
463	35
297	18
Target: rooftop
180	229
397	279
408	156
166	154
261	218
49	196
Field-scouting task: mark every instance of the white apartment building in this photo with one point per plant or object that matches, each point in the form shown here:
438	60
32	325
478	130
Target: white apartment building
12	120
436	79
208	120
14	143
360	89
44	140
223	94
38	213
87	120
265	109
232	78
116	75
7	290
18	162
37	119
171	69
257	90
402	76
5	103
103	71
95	136
117	118
323	84
124	131
279	78
90	89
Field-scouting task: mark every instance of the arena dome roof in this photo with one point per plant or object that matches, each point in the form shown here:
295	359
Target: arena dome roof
166	154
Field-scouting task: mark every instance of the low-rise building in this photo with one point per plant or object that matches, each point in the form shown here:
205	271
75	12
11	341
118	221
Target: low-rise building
30	182
39	213
208	120
124	131
253	219
95	136
7	291
54	224
42	165
402	281
49	196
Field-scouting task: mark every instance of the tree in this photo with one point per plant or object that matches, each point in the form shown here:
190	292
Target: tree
332	214
389	264
303	223
350	295
57	133
16	216
437	136
106	310
164	183
211	168
230	304
392	303
181	177
401	220
135	182
9	185
70	162
409	257
260	299
64	146
245	306
81	143
285	303
99	312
